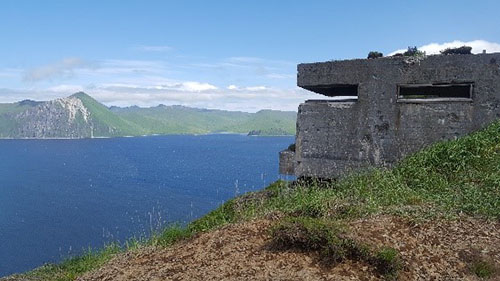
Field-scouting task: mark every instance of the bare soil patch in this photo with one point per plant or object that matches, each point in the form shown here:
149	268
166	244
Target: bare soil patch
438	250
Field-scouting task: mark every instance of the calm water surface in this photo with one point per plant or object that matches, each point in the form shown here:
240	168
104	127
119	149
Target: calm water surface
60	196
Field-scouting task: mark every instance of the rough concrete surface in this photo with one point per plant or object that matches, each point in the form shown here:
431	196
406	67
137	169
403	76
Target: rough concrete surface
381	127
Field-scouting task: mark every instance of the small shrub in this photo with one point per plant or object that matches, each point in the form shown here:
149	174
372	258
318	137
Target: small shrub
329	240
398	55
387	262
304	233
413	52
312	235
291	147
482	269
464	50
375	54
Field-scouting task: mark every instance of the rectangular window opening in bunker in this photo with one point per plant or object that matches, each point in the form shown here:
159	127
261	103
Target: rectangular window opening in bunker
337	92
436	92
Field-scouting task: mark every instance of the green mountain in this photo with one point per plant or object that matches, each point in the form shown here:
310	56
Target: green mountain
81	116
181	120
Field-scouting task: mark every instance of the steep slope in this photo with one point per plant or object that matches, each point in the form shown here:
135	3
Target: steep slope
61	118
105	123
434	216
8	123
77	116
244	251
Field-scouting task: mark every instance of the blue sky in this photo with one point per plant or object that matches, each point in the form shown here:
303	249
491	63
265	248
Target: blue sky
236	55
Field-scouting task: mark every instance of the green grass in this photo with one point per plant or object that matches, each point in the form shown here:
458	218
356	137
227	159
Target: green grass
387	262
185	120
327	237
105	122
483	269
7	123
73	267
445	180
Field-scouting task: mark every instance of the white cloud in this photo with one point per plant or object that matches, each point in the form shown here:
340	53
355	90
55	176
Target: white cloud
477	47
64	67
65	89
256	88
197	87
253	83
155	48
249	99
193	94
189	86
249	89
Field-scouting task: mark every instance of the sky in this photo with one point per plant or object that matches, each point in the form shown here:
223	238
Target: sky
232	55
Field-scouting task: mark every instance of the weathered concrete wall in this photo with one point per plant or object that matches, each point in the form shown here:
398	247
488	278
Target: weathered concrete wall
287	162
378	129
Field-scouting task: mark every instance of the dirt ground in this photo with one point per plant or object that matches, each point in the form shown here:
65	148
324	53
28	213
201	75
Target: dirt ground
440	250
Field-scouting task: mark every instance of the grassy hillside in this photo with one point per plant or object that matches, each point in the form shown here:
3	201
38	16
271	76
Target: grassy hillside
444	182
8	124
16	107
105	122
185	120
268	122
180	119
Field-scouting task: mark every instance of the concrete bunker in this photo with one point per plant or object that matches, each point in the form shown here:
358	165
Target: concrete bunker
403	104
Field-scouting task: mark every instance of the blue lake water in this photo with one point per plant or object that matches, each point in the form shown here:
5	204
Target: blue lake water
60	196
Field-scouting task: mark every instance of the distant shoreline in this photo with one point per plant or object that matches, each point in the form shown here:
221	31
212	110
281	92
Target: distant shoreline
152	135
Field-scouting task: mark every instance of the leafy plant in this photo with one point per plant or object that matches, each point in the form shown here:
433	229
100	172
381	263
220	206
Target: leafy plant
374	55
464	50
413	52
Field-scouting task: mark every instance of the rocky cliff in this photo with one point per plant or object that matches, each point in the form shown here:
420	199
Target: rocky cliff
60	118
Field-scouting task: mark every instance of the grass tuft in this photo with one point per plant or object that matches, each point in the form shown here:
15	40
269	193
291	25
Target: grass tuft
170	235
483	269
387	262
328	238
